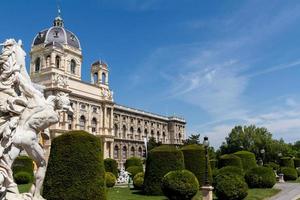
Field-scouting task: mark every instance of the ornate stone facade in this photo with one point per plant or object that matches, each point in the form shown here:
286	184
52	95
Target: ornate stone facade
56	59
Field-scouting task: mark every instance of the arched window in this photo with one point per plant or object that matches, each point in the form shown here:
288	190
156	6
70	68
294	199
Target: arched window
70	122
73	66
152	133
179	137
140	151
37	64
146	133
116	152
124	153
57	61
158	136
124	132
96	78
116	130
82	123
164	137
103	78
132	152
131	132
94	125
139	133
48	58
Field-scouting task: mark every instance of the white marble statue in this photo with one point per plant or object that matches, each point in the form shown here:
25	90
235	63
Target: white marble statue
24	113
123	176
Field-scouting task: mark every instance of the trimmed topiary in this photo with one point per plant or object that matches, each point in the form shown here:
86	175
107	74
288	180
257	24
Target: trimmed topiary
297	162
230	187
75	168
248	159
273	166
111	165
260	177
160	161
231	170
290	173
133	170
138	181
110	179
133	161
194	161
287	162
230	160
23	164
213	163
180	185
298	171
22	177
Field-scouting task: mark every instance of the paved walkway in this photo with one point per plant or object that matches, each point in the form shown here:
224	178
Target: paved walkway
289	191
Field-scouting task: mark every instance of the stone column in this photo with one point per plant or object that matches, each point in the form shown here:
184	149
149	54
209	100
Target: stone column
207	192
105	120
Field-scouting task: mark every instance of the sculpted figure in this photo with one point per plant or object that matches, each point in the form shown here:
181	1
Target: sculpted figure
24	113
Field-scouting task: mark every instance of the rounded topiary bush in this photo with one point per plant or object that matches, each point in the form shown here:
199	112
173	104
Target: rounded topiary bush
230	187
248	159
180	185
260	177
231	170
160	161
287	162
133	161
273	166
111	165
22	178
298	171
289	173
297	162
110	179
194	161
138	181
75	168
23	164
133	170
230	160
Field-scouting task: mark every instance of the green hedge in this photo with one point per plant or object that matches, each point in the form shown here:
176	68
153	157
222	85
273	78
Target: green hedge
290	173
260	177
75	168
248	159
133	170
230	187
230	160
231	170
111	165
133	161
180	185
213	163
194	161
22	178
273	166
287	162
297	162
110	179
23	164
138	181
160	161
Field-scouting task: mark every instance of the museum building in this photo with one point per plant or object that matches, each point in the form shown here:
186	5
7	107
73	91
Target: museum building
55	63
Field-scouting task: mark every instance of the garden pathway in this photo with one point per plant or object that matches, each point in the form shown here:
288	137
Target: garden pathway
289	191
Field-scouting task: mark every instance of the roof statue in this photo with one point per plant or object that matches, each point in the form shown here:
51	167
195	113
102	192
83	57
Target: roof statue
24	113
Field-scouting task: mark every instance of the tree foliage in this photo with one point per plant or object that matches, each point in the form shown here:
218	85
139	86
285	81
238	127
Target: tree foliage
193	139
151	144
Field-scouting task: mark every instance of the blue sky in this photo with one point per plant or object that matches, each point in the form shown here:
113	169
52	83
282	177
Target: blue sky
216	63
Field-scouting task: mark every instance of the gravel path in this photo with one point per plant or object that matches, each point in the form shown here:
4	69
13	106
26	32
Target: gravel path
289	191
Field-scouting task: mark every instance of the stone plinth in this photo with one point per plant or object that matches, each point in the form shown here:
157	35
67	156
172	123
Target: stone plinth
207	192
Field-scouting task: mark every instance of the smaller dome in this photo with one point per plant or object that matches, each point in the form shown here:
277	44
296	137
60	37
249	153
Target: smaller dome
57	36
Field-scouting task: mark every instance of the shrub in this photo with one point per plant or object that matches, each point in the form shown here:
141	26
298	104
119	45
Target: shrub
180	185
287	162
111	165
22	177
23	164
213	163
231	170
230	160
273	166
260	177
248	159
110	179
297	162
230	187
160	161
194	161
298	171
289	173
133	161
138	180
133	170
75	168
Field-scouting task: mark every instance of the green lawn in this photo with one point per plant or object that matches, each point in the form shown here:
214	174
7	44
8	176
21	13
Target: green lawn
24	188
127	194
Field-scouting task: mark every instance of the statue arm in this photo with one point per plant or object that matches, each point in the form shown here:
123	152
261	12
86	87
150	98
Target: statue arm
27	87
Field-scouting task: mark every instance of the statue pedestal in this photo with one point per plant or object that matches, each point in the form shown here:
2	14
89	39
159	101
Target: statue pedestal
207	192
281	178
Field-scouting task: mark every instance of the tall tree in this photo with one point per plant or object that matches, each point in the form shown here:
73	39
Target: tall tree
193	139
152	143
